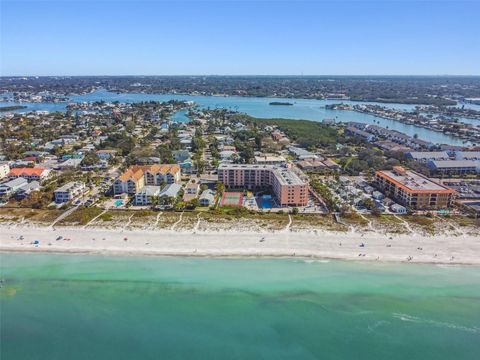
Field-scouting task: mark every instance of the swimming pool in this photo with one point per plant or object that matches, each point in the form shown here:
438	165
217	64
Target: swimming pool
265	202
118	202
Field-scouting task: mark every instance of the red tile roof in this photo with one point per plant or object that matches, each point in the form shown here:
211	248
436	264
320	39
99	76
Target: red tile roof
26	171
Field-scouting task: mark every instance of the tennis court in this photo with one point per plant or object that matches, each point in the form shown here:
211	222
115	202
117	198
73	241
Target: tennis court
232	199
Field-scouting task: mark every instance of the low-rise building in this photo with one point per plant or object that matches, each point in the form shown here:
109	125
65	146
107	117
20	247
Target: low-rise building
30	174
353	131
106	154
69	191
27	189
413	190
454	167
398	209
426	156
332	165
311	165
146	195
302	154
71	163
181	155
467	155
171	190
207	198
191	191
269	159
11	187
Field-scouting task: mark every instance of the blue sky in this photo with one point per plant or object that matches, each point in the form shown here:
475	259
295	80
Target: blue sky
231	37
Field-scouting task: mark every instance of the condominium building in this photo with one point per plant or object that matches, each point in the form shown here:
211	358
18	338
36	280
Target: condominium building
130	182
288	188
413	190
69	191
136	177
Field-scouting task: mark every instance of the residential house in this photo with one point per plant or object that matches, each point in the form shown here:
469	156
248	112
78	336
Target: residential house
27	189
191	191
207	198
30	174
181	155
106	154
11	187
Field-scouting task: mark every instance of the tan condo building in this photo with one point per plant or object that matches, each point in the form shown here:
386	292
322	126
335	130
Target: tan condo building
288	188
136	177
414	190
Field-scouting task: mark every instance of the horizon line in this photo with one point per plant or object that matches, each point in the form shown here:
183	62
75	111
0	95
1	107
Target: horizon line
249	75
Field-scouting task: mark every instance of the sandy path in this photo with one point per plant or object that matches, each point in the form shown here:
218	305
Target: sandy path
177	222
95	218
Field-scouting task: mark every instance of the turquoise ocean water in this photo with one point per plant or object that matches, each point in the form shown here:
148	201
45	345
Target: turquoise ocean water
93	307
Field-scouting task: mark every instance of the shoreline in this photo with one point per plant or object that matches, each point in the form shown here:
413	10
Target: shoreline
109	253
317	245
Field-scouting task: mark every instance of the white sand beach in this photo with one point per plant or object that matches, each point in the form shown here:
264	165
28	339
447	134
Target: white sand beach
368	246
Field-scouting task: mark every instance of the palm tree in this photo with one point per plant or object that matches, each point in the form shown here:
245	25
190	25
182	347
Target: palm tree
155	201
220	188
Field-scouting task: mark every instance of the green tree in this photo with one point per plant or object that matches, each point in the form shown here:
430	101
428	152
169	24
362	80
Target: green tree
220	188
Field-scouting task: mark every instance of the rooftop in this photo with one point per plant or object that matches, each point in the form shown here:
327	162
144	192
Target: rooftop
171	190
26	171
429	155
137	171
455	163
413	181
149	190
269	158
14	182
70	185
284	175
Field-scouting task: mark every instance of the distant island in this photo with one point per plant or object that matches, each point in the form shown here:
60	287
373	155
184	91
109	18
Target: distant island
12	108
281	103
